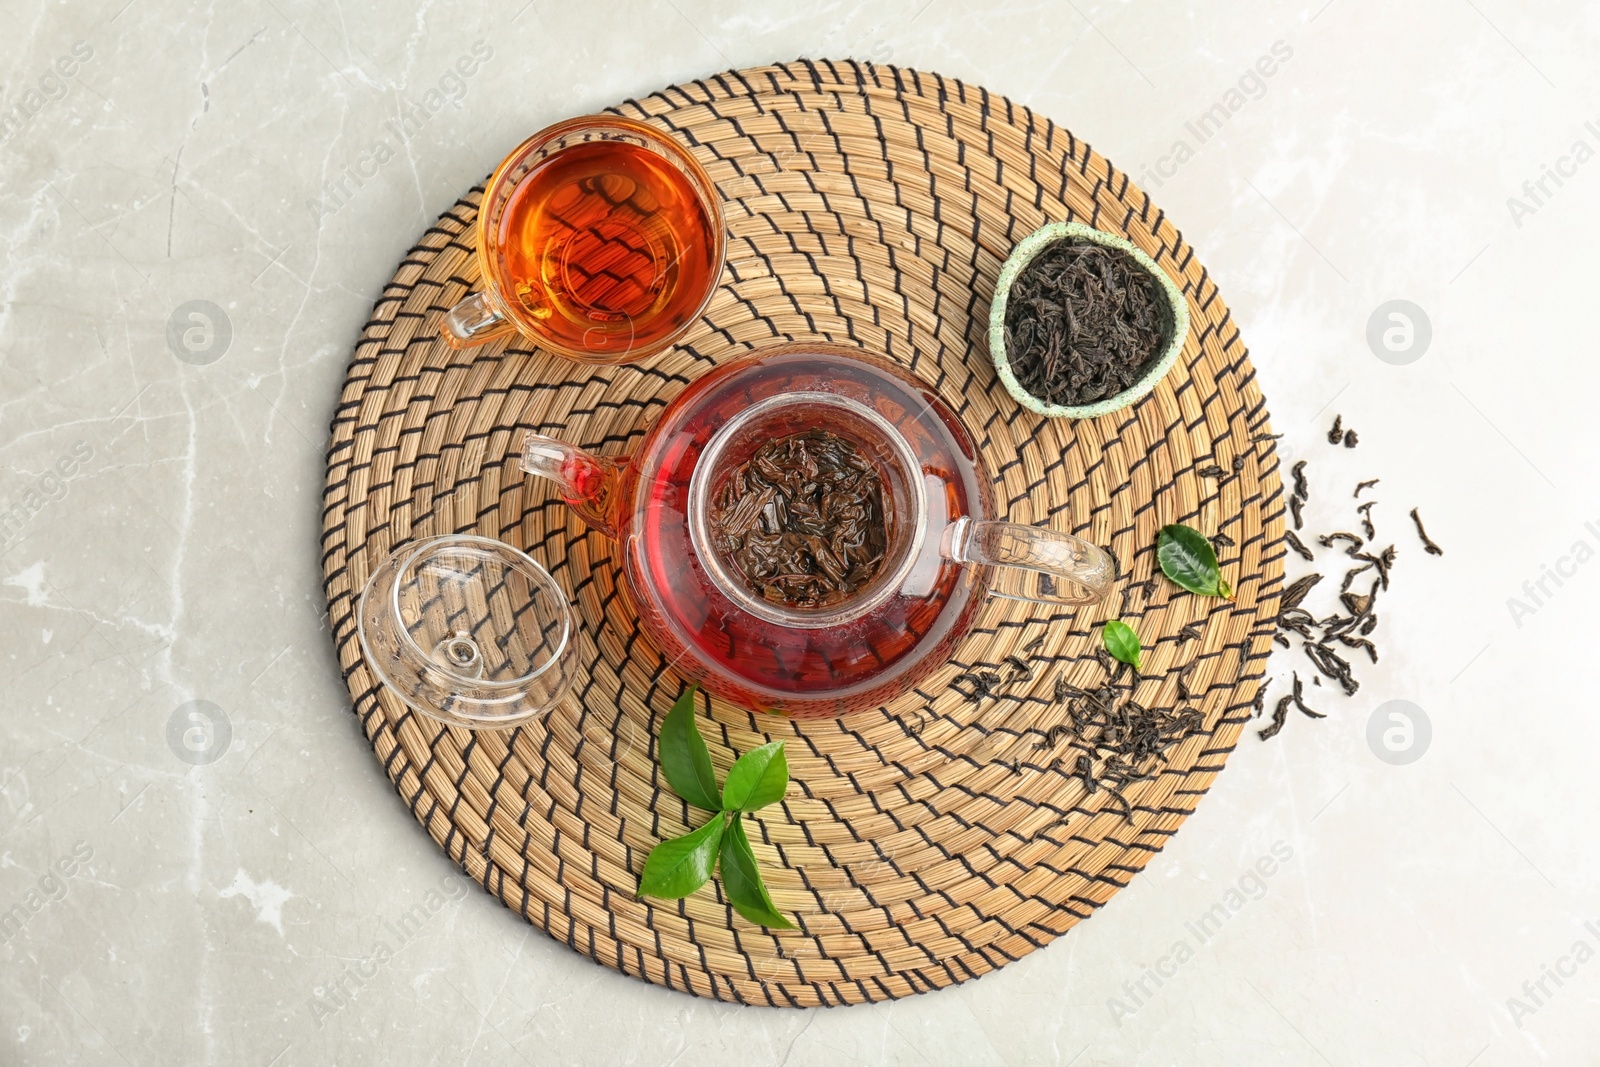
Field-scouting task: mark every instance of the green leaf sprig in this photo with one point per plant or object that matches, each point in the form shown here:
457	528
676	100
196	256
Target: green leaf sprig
1121	642
677	867
1189	560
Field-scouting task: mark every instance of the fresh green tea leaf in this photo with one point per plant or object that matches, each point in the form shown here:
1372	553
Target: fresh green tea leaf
1121	642
741	880
1189	560
685	758
756	779
678	867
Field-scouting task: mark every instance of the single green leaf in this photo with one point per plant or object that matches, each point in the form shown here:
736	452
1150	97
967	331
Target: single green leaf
684	756
1121	642
678	867
756	779
1189	560
741	880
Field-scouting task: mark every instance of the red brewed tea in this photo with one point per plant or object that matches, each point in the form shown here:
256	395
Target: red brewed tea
857	663
607	246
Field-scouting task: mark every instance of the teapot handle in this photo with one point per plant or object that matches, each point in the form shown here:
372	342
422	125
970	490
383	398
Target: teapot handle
589	484
1032	562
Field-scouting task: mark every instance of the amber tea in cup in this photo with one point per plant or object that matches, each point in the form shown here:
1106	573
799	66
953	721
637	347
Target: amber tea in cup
599	239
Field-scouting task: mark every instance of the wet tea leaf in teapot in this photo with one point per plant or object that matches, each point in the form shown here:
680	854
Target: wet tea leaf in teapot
802	520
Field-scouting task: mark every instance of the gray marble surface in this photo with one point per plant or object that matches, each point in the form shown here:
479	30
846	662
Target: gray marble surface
160	509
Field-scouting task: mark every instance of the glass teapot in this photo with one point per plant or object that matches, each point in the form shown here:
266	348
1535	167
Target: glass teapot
939	552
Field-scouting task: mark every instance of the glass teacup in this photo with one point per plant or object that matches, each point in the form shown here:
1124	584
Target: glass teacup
600	239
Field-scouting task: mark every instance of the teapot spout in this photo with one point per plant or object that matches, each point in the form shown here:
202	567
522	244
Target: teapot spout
591	485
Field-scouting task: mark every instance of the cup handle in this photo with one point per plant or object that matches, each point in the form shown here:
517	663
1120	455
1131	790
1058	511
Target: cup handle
474	321
1031	562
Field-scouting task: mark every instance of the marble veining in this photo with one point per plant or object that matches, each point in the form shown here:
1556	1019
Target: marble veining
200	862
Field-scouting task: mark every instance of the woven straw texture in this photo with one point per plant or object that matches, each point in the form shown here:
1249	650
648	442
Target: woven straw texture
920	844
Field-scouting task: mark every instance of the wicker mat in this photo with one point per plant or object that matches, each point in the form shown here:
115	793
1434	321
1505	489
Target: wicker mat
920	844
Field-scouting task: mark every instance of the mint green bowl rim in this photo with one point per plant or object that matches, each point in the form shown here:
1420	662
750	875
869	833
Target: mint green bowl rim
1020	257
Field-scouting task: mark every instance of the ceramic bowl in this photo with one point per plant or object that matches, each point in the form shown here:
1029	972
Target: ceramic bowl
1029	247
